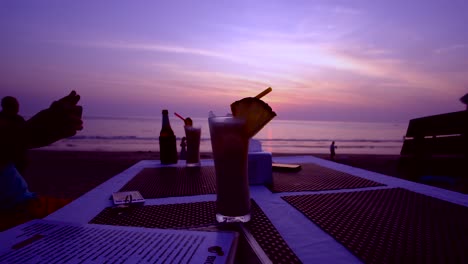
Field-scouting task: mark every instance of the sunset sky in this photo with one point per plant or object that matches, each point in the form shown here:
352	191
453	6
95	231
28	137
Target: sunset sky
325	60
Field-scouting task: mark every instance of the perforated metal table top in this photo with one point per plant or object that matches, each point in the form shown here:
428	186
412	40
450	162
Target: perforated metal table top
391	225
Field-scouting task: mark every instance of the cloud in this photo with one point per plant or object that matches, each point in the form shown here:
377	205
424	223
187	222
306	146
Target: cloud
299	34
389	68
299	71
272	56
177	49
345	10
450	48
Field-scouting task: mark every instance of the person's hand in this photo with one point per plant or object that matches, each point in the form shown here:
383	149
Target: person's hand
61	120
70	114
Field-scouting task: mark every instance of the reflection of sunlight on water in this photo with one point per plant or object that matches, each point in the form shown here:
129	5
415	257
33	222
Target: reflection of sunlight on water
268	148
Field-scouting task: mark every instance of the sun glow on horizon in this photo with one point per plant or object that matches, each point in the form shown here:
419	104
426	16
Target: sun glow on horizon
323	59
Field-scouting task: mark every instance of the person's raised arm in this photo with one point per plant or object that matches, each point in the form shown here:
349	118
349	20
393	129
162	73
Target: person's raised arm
61	120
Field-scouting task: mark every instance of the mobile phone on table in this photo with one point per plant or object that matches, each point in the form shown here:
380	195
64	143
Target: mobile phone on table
286	167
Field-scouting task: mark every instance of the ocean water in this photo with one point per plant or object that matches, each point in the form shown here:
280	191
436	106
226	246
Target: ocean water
279	136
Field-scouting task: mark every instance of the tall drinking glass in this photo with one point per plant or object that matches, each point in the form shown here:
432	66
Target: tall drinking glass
193	134
230	148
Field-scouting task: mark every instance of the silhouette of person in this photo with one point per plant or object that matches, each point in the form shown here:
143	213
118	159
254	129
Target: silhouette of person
332	150
61	120
10	108
183	149
464	99
11	120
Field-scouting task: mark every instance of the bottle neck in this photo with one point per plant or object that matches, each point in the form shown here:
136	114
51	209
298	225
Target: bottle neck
166	126
165	121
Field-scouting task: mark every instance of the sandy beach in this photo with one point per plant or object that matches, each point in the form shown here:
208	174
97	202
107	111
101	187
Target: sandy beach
70	174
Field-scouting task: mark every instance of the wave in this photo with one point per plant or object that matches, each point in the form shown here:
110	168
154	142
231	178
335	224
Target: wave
96	137
327	147
113	137
331	139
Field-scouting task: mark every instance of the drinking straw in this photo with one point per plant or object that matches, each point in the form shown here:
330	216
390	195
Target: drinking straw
187	121
265	92
179	116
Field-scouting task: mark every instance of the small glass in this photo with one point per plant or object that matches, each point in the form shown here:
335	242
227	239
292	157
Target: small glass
193	135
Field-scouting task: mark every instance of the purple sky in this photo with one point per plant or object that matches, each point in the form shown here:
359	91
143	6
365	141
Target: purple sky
325	60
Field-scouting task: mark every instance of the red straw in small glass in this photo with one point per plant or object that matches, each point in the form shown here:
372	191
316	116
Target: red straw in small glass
179	116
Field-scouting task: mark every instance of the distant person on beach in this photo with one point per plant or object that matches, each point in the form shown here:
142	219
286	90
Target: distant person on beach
332	150
61	120
11	120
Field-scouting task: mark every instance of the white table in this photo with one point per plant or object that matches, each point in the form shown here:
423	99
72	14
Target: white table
306	239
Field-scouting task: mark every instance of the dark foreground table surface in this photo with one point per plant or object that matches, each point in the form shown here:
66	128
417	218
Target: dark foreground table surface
327	212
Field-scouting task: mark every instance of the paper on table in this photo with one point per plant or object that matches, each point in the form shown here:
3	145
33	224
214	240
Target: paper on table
56	242
127	197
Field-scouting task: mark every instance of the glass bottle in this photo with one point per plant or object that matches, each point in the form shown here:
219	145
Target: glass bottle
167	141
